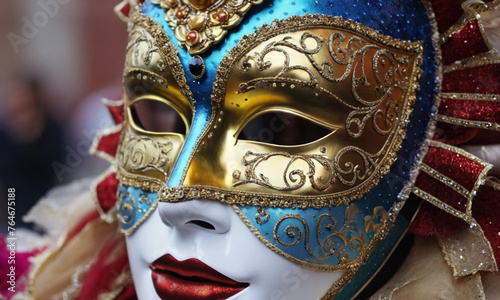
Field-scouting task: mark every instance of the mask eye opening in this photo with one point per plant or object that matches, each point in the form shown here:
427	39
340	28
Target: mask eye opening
282	128
155	116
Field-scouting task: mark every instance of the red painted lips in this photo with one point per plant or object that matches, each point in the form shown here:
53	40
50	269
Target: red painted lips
191	279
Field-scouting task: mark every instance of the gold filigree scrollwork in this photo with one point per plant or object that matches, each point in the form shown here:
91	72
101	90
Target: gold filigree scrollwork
144	49
336	242
292	179
141	153
375	222
126	209
368	66
262	216
348	172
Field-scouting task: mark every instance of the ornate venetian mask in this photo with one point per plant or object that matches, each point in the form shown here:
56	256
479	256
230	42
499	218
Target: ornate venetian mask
308	130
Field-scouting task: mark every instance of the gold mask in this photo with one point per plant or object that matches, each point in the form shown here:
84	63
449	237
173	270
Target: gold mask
356	84
337	74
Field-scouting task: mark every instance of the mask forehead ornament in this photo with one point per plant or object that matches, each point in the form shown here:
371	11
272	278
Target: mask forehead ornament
198	24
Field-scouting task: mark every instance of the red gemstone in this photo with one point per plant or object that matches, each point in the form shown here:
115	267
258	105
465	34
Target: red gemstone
180	13
192	36
222	16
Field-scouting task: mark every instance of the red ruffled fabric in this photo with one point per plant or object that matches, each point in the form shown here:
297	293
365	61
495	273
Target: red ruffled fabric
464	44
103	276
479	80
106	188
106	192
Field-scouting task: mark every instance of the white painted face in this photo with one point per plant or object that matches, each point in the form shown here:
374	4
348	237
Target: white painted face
212	233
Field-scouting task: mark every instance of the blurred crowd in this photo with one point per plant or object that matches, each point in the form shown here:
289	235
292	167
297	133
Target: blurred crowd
57	61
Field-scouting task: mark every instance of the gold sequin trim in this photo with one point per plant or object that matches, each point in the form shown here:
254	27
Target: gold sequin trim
180	193
446	180
481	177
466	96
438	203
145	183
469	123
144	75
479	60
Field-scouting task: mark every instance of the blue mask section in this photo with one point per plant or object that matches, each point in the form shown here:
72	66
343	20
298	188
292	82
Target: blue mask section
322	237
134	206
312	235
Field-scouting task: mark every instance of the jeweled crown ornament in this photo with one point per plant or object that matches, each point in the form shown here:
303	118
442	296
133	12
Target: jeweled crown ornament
200	23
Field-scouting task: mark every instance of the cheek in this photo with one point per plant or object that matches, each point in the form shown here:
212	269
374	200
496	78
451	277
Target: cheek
146	244
271	276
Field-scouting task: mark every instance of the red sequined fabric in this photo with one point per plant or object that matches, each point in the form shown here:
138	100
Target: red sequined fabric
474	110
433	221
455	166
447	13
454	134
480	80
106	192
462	173
463	44
454	180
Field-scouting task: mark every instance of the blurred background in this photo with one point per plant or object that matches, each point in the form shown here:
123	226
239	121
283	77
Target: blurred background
58	58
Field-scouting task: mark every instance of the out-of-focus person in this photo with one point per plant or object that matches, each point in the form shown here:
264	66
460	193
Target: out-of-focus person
30	140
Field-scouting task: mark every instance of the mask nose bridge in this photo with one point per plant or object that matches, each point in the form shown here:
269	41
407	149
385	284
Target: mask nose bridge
201	119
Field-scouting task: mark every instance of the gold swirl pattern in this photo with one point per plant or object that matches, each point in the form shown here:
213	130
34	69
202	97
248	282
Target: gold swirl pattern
321	240
153	71
294	178
349	56
125	209
348	237
143	153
